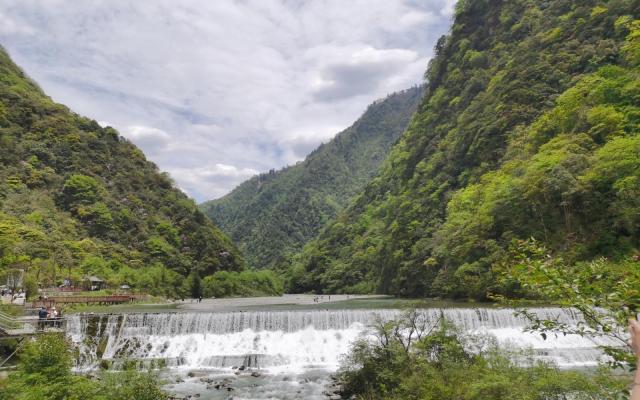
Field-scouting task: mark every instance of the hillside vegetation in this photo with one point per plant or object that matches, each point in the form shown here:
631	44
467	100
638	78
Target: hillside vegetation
271	216
529	128
76	199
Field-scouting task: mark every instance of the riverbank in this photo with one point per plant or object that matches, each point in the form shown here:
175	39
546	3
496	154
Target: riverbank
290	302
227	304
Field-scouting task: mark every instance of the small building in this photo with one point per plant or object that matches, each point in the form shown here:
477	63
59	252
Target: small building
94	283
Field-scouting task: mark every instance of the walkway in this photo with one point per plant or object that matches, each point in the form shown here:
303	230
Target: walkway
14	327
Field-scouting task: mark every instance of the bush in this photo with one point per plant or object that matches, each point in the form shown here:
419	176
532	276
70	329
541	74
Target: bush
131	384
44	373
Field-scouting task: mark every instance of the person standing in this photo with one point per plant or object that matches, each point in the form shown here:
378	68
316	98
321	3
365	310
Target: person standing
54	316
42	316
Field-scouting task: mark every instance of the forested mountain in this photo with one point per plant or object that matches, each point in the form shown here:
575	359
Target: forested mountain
76	199
271	216
528	128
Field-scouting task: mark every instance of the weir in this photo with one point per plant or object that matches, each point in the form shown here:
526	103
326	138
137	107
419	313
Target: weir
295	340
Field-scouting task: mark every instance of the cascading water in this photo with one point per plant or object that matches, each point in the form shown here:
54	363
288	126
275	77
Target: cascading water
293	341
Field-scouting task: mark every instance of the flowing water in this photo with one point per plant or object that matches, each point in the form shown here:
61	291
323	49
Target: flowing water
291	353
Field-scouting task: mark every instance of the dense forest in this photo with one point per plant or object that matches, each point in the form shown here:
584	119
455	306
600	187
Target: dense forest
77	199
273	215
528	128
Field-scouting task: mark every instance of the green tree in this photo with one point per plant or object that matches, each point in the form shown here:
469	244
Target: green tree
195	285
44	373
81	190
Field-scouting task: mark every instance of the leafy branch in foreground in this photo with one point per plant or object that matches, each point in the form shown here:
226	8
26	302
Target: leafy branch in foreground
44	373
605	293
414	358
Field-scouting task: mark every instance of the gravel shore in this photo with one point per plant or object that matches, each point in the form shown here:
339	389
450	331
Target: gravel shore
253	303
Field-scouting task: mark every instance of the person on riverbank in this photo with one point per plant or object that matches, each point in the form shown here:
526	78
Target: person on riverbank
634	330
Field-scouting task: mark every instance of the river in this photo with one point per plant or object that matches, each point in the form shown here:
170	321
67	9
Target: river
284	354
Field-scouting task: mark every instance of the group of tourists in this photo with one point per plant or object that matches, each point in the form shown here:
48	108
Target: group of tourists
49	317
318	299
12	296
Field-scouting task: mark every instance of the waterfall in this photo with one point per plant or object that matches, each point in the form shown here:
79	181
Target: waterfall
295	340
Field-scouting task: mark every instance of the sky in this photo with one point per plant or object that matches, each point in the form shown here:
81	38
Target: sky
215	92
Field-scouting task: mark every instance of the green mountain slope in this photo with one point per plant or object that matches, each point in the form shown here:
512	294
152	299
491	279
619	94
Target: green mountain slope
529	127
273	215
76	199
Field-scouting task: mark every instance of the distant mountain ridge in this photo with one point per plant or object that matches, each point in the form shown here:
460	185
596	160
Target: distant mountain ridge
77	199
271	216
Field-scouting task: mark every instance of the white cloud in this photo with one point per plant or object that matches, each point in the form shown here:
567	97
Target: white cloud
414	18
151	140
199	85
349	71
449	8
217	178
10	27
